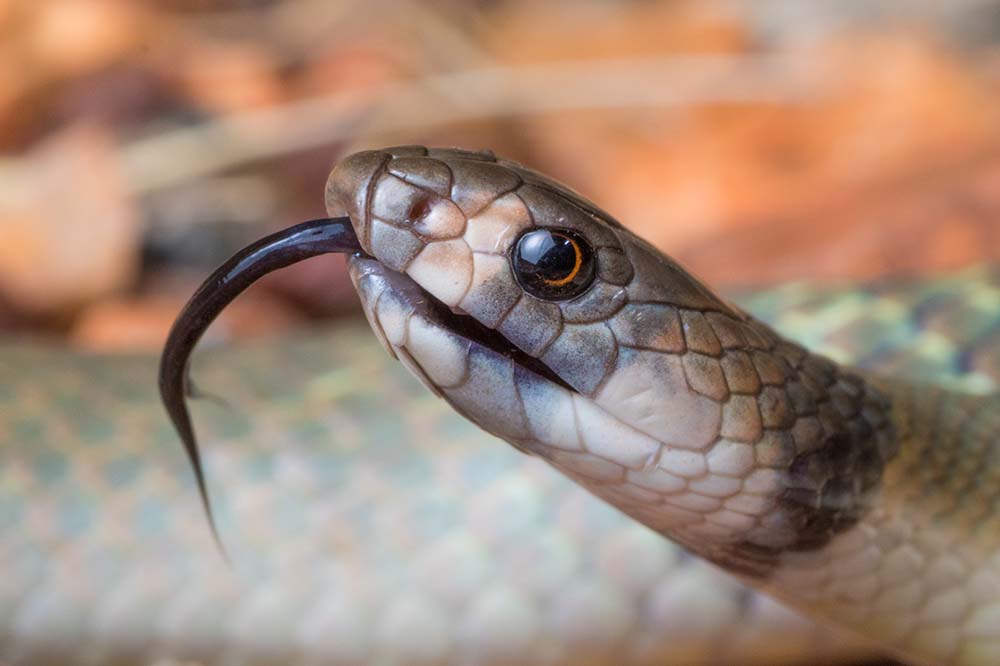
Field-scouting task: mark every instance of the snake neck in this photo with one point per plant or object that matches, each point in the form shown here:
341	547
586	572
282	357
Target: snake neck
918	568
827	436
778	449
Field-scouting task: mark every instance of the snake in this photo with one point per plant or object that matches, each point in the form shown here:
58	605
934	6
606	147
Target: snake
368	523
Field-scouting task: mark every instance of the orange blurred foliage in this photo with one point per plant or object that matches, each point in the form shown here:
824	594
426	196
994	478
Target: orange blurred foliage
851	153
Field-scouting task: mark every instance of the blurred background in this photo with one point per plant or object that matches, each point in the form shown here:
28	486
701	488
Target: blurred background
142	142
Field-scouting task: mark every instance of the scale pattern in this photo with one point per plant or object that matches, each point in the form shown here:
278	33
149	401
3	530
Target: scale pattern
923	568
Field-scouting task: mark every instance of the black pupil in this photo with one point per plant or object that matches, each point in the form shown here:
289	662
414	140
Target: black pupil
550	255
553	264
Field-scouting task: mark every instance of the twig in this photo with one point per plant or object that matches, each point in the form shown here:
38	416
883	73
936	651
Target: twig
178	155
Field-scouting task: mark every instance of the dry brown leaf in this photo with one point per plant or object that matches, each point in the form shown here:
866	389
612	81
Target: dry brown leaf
72	37
941	221
69	232
522	32
226	77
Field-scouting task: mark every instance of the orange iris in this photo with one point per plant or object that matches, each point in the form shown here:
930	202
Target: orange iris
577	263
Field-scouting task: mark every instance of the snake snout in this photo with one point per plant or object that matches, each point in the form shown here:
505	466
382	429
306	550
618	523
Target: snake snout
406	199
348	189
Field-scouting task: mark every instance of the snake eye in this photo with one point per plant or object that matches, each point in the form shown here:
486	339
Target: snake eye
554	264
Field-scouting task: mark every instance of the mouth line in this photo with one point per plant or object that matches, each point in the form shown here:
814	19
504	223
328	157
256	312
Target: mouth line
470	328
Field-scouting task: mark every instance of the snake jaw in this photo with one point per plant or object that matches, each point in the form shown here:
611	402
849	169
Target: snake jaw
457	330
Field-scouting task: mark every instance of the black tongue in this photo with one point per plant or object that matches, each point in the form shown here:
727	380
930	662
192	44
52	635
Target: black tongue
278	250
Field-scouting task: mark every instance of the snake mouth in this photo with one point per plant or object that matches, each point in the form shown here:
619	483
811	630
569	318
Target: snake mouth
470	328
455	321
351	187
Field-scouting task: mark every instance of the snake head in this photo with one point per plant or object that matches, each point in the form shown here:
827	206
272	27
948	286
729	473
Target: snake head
547	323
543	320
517	252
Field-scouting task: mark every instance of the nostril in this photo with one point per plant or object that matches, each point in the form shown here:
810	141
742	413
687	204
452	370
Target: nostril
433	218
349	188
419	209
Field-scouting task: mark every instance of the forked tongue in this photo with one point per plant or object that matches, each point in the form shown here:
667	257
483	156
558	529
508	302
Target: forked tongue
278	250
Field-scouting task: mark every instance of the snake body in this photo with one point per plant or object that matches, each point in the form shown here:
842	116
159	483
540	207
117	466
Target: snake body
870	502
